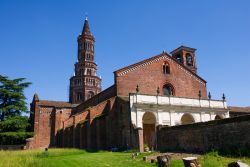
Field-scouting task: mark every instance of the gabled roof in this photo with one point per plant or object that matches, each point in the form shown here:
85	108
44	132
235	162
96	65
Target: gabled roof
60	104
183	48
156	58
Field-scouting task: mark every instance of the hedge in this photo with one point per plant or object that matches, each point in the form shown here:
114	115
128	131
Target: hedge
14	138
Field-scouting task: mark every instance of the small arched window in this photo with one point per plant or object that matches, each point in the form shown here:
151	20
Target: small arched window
81	72
166	68
79	96
85	45
90	94
88	71
168	90
189	59
179	58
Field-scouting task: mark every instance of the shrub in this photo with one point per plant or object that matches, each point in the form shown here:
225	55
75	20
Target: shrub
14	138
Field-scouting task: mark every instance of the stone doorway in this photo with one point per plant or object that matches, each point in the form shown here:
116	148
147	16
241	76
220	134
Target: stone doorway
187	119
149	135
218	117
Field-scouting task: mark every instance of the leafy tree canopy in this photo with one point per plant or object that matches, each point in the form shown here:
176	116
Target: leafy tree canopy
15	124
12	103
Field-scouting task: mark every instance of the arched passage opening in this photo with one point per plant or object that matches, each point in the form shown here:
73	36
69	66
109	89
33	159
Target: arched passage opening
218	117
149	136
187	119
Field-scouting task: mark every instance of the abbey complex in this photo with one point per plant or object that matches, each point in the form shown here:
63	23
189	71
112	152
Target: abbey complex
160	102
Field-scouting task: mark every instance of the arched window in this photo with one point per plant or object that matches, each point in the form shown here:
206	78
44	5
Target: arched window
166	68
179	58
87	81
88	71
92	47
168	90
90	94
79	96
189	59
83	46
81	72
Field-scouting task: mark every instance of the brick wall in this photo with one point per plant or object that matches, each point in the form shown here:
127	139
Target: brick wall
86	129
103	126
95	100
229	134
150	76
47	121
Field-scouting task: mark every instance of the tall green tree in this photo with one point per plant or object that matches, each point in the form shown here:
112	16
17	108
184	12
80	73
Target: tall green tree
12	102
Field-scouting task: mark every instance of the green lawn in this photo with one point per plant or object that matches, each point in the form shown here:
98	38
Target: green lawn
68	157
75	158
213	160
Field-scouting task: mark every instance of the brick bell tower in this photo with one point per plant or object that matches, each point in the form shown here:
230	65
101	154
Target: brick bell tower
186	56
85	83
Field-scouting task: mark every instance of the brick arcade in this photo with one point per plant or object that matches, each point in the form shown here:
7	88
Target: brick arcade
119	116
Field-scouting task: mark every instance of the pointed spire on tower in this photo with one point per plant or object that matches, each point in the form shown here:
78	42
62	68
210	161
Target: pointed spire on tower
86	29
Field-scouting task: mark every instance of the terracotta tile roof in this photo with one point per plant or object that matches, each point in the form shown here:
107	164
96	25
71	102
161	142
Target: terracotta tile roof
239	109
133	66
55	104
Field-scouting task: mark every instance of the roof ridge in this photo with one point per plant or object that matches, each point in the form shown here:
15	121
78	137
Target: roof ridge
138	63
134	66
54	101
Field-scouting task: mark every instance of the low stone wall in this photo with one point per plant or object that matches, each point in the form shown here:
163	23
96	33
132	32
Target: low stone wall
228	135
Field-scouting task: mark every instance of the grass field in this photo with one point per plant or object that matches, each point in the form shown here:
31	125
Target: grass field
75	158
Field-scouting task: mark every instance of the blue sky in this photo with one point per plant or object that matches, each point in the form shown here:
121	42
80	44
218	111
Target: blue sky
38	40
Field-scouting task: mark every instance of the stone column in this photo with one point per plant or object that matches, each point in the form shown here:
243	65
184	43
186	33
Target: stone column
172	117
140	139
211	115
202	119
160	113
140	114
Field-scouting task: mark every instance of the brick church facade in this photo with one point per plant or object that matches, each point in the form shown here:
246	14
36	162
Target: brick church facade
162	90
